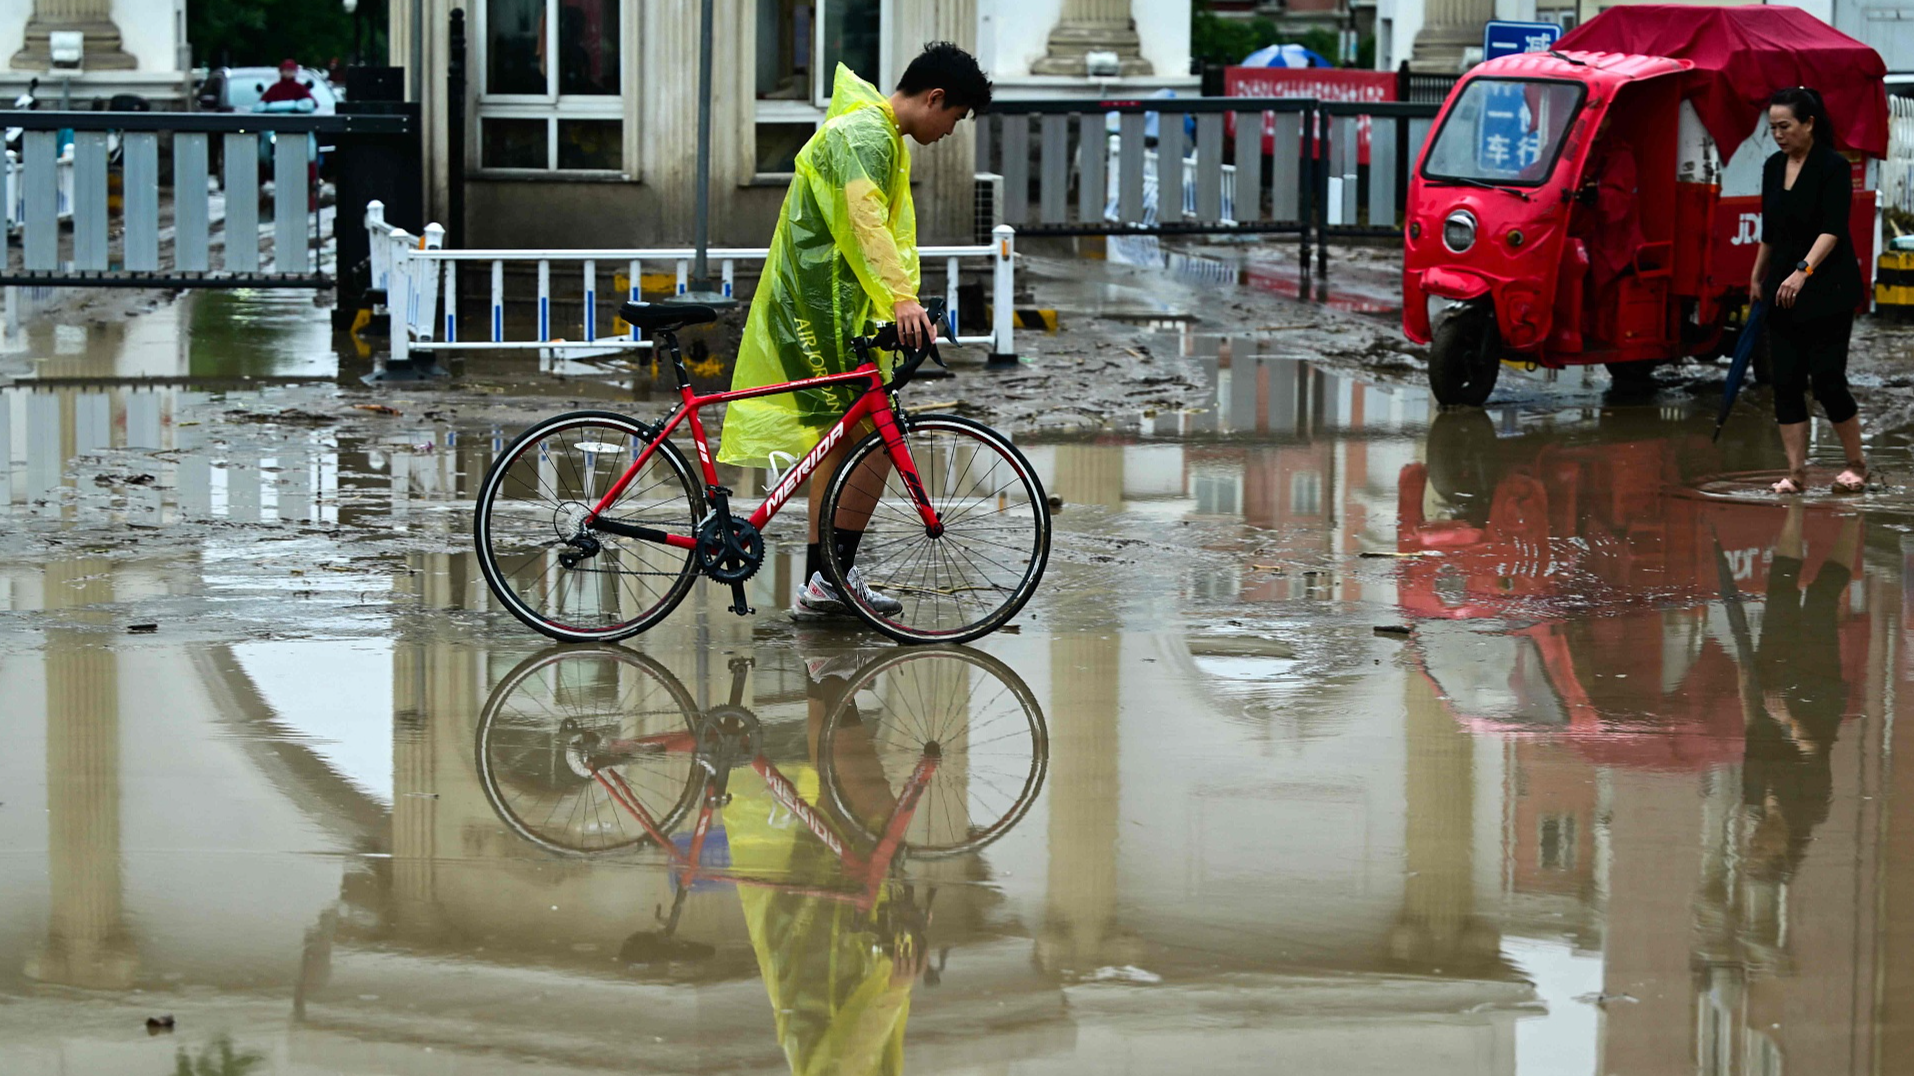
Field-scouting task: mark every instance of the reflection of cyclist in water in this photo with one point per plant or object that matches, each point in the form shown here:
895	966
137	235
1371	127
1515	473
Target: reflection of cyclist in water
839	978
1787	777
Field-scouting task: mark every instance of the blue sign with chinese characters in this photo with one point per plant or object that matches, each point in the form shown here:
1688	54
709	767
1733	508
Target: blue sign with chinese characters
1509	140
1514	38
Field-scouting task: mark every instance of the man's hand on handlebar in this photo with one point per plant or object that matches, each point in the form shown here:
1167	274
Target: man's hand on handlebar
915	329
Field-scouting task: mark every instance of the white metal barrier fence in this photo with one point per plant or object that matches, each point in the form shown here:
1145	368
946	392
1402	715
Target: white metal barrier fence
419	278
1897	172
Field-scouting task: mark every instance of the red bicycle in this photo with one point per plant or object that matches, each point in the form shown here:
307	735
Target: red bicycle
592	526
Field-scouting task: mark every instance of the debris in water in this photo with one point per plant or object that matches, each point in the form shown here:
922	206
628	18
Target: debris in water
1378	554
1056	503
1128	973
159	1025
141	629
1277	568
1392	629
378	409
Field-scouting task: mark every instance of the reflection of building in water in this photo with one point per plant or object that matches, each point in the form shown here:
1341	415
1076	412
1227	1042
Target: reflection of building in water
1080	931
87	940
1304	492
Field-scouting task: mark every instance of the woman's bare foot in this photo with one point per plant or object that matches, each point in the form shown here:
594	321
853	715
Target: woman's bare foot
1853	479
1794	483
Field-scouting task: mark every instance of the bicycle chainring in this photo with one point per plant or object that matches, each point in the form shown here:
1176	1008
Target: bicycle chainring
712	559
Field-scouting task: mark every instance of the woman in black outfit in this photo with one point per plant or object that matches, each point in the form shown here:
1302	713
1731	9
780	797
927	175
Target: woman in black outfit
1807	266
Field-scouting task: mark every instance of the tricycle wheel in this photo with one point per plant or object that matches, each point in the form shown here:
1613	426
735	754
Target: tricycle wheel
1632	376
1465	356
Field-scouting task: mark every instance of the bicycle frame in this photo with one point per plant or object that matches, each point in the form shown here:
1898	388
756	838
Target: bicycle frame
872	867
874	404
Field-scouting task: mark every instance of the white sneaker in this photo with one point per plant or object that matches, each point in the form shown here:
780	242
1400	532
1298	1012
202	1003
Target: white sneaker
818	600
876	600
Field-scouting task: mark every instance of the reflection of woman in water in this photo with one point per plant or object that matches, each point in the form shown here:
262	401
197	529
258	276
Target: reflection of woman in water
1787	777
839	978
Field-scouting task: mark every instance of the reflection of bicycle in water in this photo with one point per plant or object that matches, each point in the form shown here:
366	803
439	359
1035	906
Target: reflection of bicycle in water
920	754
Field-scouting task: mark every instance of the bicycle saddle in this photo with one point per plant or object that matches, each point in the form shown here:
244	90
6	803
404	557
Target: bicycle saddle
664	317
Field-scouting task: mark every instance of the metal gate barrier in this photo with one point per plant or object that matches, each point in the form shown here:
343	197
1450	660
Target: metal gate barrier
185	212
1290	166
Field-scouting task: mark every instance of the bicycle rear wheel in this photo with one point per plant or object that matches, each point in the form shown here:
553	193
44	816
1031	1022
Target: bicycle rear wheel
968	580
966	710
530	516
563	715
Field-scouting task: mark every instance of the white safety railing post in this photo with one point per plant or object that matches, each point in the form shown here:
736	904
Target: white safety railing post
591	300
544	301
728	271
451	270
398	300
498	301
684	275
425	272
634	293
376	237
950	295
1003	315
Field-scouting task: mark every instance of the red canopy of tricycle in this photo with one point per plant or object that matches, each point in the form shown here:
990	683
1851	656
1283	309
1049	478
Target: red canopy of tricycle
1743	54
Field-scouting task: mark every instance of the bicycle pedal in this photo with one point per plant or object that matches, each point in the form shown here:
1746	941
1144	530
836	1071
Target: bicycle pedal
744	611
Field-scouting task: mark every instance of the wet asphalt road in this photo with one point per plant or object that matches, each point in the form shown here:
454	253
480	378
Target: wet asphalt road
1531	740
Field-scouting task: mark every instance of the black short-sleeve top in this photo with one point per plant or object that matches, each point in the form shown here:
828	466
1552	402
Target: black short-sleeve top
1792	219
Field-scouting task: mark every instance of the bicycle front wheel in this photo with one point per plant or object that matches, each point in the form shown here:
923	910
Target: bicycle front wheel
560	579
961	715
566	717
950	586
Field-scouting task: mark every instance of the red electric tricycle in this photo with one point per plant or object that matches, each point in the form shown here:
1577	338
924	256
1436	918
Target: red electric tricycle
1601	202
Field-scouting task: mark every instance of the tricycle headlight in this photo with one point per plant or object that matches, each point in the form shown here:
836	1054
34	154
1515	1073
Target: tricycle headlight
1458	231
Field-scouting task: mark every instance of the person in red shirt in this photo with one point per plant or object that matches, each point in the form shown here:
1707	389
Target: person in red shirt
288	88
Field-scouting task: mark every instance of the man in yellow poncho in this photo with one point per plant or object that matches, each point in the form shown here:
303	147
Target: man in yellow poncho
844	256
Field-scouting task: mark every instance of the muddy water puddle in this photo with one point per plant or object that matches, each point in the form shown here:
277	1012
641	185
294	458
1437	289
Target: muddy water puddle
1529	740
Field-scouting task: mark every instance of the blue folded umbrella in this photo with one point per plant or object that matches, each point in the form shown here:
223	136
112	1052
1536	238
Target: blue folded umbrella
1738	370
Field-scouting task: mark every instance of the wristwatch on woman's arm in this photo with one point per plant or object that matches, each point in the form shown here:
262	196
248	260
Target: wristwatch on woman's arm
1804	268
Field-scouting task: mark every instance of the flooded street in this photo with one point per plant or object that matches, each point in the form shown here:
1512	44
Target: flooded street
1342	736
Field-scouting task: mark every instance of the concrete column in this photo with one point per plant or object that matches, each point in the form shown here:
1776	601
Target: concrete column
1093	26
1449	27
94	18
945	173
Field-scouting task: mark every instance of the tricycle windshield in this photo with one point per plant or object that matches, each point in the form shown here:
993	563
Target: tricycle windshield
1505	131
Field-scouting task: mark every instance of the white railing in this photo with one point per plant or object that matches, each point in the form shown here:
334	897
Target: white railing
418	275
1897	172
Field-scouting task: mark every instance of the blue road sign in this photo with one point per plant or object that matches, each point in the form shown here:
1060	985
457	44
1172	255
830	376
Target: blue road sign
1511	38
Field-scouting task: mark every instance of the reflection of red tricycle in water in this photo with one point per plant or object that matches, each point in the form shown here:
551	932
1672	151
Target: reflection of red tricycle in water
1574	588
1601	202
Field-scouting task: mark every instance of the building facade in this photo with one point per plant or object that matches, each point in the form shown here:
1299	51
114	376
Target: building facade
130	46
599	147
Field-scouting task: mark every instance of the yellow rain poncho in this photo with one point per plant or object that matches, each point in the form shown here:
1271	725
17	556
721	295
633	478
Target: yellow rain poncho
844	253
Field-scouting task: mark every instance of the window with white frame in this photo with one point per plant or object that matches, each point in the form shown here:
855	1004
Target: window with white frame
800	44
551	76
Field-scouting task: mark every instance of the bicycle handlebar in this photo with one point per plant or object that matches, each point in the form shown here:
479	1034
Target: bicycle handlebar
886	339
